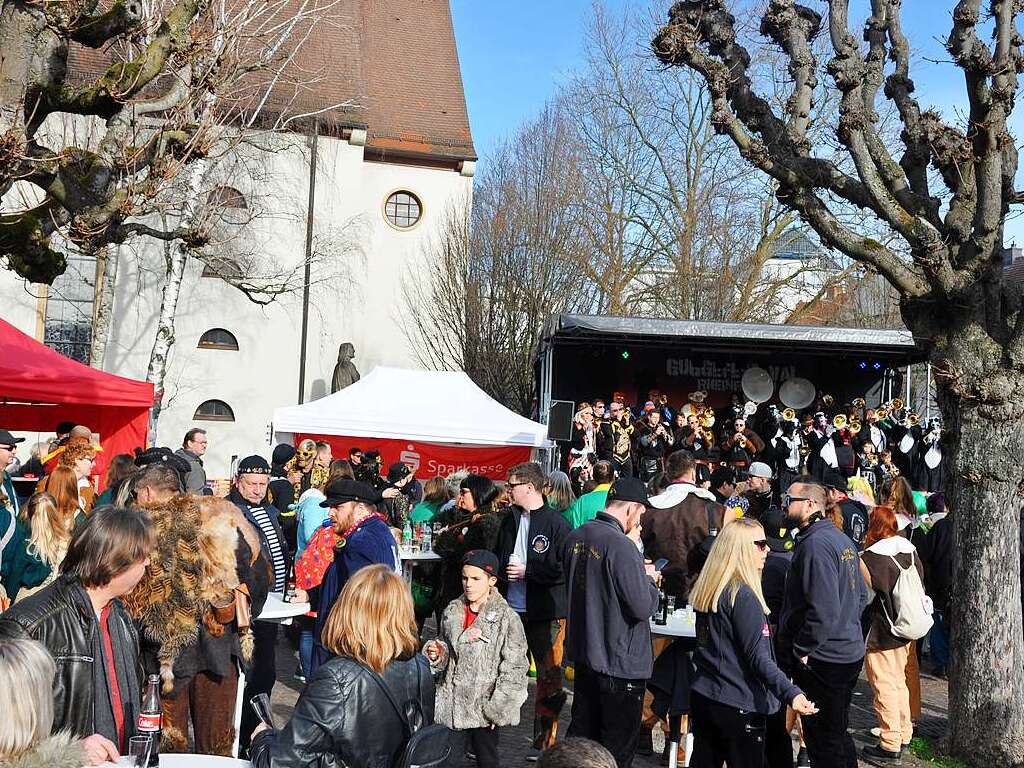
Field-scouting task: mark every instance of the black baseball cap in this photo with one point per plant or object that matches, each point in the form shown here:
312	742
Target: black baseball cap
341	491
397	471
483	559
777	531
628	489
833	478
6	438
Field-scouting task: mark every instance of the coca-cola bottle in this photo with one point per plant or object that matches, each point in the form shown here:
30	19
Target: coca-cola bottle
151	717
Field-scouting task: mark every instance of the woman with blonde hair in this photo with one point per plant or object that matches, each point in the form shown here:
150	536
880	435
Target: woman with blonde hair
62	486
49	535
26	699
345	716
737	682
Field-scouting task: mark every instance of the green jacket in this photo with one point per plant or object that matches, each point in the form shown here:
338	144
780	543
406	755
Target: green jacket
17	567
587	506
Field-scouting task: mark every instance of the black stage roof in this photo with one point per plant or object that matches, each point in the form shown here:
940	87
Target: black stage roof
897	347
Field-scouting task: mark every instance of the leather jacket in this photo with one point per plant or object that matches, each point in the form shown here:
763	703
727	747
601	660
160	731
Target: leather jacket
61	618
344	720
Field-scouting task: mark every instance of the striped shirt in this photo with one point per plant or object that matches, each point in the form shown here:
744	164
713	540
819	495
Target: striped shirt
276	553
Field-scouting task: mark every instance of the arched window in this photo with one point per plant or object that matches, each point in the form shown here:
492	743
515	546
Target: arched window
218	338
214	410
226	197
403	209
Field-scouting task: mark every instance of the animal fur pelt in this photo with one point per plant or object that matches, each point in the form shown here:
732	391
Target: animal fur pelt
61	750
192	567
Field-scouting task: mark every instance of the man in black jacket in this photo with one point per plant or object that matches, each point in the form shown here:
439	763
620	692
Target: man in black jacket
81	622
530	549
820	638
612	596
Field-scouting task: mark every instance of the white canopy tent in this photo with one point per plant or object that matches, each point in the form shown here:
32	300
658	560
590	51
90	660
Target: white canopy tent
430	406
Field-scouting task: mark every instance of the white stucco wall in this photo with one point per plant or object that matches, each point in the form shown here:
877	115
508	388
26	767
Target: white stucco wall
361	304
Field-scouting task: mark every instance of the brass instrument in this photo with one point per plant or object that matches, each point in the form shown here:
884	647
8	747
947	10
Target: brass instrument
859	403
855	426
913	419
789	414
896	404
741	440
882	413
827	400
839	421
707	419
709	436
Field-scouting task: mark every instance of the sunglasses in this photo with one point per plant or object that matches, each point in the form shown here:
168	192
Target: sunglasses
787	499
761	544
510	486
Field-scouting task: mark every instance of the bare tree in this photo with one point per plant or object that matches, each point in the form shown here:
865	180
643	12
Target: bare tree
945	263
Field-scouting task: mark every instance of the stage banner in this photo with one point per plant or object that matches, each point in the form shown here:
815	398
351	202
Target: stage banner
431	459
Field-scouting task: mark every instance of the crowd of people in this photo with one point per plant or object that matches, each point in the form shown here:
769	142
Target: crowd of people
800	576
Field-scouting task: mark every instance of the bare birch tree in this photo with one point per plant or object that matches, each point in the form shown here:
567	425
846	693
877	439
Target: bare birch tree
945	263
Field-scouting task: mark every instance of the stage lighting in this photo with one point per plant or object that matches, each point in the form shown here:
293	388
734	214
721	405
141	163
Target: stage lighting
625	354
876	365
863	365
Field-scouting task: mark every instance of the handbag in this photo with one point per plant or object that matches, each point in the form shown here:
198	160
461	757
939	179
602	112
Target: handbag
427	746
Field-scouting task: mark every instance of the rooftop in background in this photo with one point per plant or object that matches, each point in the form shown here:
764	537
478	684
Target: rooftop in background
795	245
396	59
696	334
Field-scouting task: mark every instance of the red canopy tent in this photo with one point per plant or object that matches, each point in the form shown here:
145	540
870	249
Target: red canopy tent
40	387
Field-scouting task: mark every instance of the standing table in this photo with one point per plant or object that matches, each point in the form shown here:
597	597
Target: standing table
193	761
275	609
677	626
411	559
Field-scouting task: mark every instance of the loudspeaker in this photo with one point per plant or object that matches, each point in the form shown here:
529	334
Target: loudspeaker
560	419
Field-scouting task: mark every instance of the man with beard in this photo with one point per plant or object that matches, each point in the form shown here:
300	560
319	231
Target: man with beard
249	494
759	490
205	553
365	539
820	641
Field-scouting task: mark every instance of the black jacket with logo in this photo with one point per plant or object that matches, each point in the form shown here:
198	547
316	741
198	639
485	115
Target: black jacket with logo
545	571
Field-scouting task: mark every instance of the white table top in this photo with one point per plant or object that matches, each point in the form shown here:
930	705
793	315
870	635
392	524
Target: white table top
677	626
405	554
276	608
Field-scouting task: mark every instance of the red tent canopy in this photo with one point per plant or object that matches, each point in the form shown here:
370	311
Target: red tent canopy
40	388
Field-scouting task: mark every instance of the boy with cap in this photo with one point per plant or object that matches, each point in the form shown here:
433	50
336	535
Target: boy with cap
364	539
480	655
612	595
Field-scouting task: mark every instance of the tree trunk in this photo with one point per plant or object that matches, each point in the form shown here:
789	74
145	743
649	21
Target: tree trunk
109	257
984	444
176	257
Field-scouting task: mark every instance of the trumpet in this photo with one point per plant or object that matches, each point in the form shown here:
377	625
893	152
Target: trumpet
789	414
839	421
855	427
913	419
859	403
709	436
896	404
741	440
882	413
827	400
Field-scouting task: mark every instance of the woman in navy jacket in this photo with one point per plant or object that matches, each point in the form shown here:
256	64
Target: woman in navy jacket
737	683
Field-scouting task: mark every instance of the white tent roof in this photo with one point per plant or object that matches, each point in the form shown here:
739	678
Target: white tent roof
431	406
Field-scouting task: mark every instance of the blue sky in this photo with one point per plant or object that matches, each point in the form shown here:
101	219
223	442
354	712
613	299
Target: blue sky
514	56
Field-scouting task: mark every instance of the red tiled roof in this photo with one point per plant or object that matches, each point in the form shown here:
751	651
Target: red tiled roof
395	60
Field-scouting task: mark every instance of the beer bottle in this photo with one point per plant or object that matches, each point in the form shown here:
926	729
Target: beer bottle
151	718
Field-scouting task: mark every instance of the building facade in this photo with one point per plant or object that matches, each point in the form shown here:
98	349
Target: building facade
385	168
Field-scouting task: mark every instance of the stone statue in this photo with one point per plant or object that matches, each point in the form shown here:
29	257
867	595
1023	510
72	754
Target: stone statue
345	373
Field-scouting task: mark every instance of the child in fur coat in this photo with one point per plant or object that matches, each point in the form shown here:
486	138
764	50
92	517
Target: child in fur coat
480	659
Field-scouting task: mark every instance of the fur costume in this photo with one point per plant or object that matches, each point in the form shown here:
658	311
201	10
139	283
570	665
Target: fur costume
485	683
192	568
61	750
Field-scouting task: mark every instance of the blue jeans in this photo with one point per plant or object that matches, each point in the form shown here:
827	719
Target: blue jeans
938	636
306	652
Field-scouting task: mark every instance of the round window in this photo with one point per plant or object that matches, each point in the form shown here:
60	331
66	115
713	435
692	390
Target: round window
403	209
